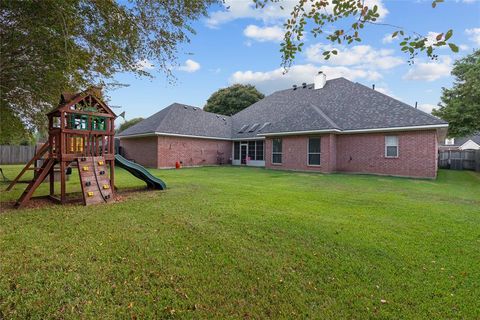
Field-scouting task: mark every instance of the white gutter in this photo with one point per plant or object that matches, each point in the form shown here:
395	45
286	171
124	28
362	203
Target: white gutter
289	133
257	137
411	128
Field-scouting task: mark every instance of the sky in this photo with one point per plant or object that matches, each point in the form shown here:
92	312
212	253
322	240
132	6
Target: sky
237	43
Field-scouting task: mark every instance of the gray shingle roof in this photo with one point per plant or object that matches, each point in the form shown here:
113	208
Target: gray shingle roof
460	141
182	119
339	105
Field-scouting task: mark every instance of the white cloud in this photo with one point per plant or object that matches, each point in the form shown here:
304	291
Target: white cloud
474	34
361	55
190	66
427	107
463	47
385	90
430	71
388	38
431	38
272	12
273	80
263	34
145	65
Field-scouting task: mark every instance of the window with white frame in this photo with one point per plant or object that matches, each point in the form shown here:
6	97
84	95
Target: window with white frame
314	149
449	141
254	150
391	146
277	151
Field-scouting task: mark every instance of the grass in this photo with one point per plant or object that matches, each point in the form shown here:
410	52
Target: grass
231	242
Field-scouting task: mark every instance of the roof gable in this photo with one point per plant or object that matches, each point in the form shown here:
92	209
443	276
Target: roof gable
89	100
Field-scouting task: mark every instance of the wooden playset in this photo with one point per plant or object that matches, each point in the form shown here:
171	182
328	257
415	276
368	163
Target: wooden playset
80	134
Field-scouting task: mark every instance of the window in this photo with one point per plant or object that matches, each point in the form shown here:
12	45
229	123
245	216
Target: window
236	150
391	146
251	150
277	151
314	151
449	142
259	151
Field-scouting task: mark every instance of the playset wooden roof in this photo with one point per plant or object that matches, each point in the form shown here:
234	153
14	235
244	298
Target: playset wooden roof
88	101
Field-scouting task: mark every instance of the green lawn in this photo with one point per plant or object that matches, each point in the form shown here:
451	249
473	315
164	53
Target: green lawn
249	243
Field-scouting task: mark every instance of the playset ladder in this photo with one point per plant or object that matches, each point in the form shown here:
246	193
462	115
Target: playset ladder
43	149
94	179
33	185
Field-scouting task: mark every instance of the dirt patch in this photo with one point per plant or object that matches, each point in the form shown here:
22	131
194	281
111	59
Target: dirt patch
73	198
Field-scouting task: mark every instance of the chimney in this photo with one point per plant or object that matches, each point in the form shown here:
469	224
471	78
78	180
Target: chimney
320	80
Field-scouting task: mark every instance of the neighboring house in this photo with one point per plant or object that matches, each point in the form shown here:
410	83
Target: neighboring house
465	143
328	126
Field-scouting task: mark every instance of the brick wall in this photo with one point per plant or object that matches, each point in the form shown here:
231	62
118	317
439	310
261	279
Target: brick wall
141	150
362	153
295	156
191	151
365	153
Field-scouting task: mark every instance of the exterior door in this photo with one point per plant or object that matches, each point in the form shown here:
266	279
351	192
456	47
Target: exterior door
243	154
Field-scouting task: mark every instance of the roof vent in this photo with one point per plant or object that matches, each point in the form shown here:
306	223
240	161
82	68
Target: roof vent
294	87
217	116
320	80
304	85
185	107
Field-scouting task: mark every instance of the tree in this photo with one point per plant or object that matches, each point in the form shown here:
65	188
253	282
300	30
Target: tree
343	22
12	130
460	105
127	124
233	99
52	46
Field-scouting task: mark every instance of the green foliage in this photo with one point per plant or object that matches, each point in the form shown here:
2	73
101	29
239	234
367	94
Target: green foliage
127	124
12	130
52	46
233	99
460	105
236	243
343	21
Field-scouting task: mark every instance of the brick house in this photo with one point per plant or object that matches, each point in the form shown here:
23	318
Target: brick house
327	126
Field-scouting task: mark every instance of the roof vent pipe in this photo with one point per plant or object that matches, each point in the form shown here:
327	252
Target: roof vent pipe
416	104
373	86
320	80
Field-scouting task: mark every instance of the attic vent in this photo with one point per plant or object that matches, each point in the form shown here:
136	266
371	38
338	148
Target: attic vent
195	109
185	107
304	85
263	126
243	128
294	87
224	119
254	127
218	116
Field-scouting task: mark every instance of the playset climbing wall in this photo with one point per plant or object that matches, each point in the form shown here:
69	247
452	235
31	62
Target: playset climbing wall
94	178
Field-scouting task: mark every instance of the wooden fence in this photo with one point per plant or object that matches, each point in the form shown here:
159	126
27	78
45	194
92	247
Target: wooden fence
459	160
16	154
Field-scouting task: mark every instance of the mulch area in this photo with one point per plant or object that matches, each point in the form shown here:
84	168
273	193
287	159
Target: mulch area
75	198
